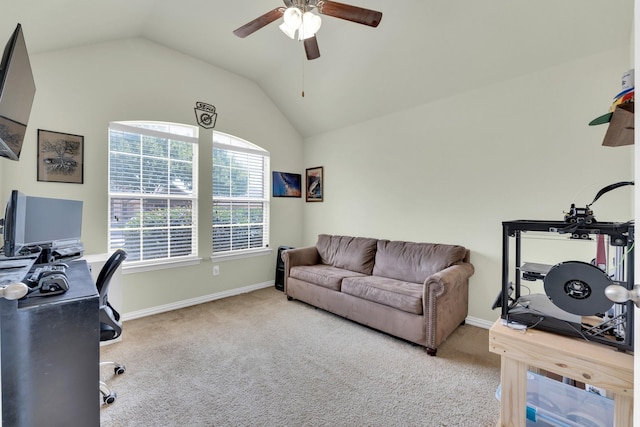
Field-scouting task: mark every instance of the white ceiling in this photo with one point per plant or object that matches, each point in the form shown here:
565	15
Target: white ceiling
423	50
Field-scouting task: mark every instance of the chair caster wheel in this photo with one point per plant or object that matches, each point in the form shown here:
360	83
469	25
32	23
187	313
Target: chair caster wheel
110	398
119	370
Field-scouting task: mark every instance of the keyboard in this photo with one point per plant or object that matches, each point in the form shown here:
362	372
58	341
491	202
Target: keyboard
15	269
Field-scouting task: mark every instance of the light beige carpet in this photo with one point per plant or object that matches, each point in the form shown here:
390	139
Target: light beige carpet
260	360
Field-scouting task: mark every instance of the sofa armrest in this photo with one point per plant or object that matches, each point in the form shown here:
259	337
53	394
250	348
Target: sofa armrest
446	301
299	256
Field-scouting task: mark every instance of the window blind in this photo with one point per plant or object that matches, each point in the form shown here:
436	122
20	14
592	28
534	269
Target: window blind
240	185
153	190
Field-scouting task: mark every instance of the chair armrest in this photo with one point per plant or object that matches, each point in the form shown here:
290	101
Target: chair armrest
442	282
299	256
111	317
446	301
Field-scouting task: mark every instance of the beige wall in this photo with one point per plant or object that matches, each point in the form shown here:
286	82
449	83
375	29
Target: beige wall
453	170
81	90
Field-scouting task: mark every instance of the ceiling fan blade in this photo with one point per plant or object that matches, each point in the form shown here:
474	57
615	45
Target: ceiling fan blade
350	13
288	3
259	22
311	48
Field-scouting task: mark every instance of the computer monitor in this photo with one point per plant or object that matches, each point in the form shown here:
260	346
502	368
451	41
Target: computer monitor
33	224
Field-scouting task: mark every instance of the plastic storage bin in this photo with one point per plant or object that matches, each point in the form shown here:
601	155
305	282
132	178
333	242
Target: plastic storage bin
553	403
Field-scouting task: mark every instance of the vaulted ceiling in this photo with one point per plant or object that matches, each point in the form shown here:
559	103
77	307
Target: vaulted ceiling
423	50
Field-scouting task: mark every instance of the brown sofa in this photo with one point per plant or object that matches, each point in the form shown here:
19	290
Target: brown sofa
415	291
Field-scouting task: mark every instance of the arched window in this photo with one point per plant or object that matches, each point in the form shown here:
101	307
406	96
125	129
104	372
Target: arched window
153	193
240	189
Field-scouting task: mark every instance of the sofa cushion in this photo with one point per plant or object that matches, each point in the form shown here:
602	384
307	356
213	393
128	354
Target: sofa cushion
405	296
351	253
322	275
414	262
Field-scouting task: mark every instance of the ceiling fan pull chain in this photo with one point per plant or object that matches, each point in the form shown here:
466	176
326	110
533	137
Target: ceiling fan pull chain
303	77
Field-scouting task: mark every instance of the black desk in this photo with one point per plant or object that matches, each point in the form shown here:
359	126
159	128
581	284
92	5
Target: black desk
50	355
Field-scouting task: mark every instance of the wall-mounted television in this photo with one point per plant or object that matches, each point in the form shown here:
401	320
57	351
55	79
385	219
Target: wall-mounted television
17	90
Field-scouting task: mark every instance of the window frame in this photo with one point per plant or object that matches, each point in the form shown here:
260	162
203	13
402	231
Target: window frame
137	127
239	145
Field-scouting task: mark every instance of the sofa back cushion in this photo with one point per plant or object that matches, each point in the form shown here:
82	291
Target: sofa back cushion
351	253
414	262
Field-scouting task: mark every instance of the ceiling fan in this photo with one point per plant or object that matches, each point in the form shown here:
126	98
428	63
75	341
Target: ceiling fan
298	17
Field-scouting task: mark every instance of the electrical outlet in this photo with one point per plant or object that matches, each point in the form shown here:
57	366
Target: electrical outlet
216	270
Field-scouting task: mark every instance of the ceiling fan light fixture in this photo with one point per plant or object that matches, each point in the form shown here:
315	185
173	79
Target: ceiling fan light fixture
310	25
290	32
293	18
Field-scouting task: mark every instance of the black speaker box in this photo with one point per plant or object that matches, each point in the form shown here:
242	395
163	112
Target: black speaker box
280	268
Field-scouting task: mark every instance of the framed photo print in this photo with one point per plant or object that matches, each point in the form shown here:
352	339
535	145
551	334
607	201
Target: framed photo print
286	184
60	157
315	185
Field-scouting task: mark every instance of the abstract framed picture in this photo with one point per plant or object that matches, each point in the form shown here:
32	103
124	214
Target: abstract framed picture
286	184
315	185
60	157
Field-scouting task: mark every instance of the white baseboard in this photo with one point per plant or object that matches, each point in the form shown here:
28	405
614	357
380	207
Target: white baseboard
194	301
480	323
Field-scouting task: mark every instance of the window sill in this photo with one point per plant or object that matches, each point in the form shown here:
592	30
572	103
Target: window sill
143	266
240	255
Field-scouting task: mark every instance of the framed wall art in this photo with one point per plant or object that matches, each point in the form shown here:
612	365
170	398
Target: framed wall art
286	184
315	185
60	157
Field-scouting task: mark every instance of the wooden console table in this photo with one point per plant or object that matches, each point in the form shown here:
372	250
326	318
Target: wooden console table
592	363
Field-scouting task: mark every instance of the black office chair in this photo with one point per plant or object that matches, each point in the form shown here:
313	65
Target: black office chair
110	326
